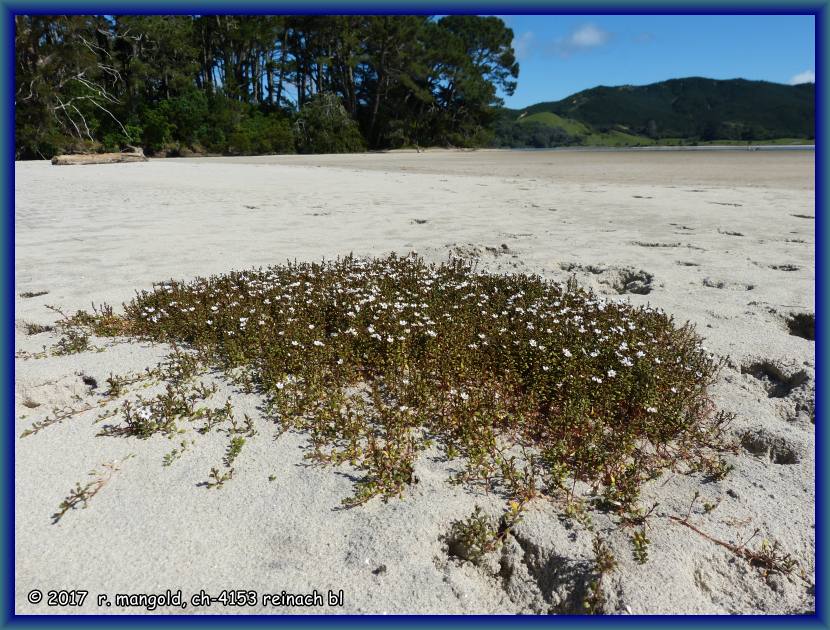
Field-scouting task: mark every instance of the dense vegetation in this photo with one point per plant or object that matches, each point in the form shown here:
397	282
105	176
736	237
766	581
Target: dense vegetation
257	84
679	110
531	385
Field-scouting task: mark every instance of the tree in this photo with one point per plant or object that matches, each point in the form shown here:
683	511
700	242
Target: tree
324	126
216	81
65	82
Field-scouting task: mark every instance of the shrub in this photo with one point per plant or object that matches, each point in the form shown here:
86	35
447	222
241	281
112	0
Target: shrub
157	130
262	134
531	384
324	126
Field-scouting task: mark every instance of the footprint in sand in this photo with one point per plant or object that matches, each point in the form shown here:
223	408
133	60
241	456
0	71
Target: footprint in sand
761	442
621	279
723	284
801	324
777	379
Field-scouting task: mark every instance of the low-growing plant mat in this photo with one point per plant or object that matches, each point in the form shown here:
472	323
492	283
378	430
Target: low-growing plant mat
531	385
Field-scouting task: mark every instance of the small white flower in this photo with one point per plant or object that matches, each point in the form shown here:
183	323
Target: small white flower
652	409
533	343
567	352
280	385
318	343
611	373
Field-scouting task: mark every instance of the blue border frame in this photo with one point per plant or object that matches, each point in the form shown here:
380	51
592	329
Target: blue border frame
7	11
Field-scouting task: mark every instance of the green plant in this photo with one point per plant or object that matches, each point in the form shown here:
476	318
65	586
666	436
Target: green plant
58	416
531	385
640	543
72	342
472	538
83	494
234	448
604	562
770	557
176	453
36	329
218	478
117	384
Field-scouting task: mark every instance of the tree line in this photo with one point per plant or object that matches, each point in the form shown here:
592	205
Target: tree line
258	83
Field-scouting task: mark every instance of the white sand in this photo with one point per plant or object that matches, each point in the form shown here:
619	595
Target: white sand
725	222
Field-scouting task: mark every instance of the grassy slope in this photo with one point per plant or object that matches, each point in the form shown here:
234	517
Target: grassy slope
568	125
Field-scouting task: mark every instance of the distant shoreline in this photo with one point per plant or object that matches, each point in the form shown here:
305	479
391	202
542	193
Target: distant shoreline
708	147
569	149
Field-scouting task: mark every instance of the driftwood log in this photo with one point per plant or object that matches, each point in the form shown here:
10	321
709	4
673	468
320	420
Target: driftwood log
133	155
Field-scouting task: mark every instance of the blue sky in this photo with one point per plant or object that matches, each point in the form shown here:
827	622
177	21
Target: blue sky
562	54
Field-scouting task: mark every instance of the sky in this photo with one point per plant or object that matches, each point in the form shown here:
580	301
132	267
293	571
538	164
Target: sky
562	54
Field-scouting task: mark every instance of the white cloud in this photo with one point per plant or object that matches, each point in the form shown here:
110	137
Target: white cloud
588	36
523	44
585	37
808	76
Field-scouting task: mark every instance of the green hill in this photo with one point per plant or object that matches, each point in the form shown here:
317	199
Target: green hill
674	111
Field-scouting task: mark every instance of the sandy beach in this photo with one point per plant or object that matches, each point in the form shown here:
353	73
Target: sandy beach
723	239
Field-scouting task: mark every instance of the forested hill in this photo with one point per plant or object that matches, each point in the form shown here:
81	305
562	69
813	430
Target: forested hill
693	109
